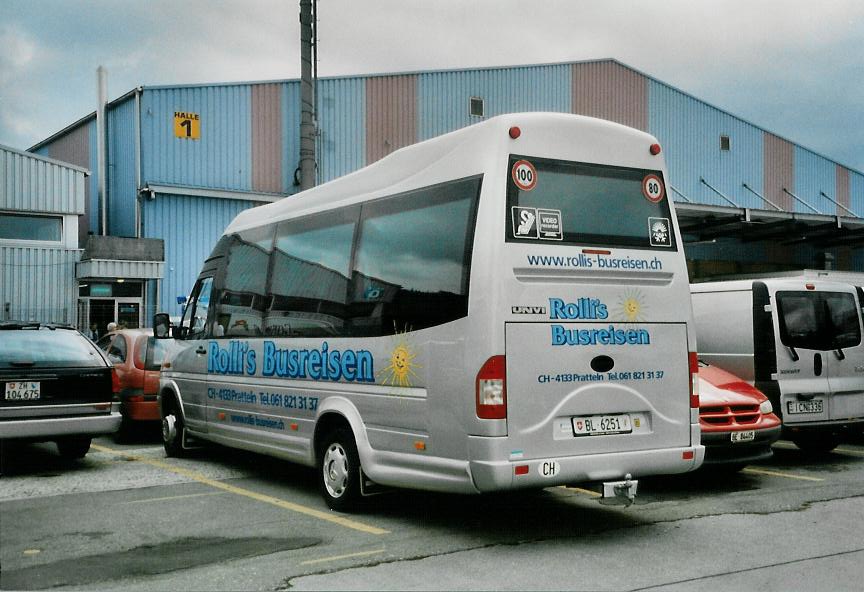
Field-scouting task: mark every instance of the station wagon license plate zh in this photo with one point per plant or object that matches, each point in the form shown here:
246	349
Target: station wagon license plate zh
745	436
798	407
22	391
600	425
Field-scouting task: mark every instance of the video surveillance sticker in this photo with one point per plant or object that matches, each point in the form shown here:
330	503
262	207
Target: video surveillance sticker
549	224
524	222
660	232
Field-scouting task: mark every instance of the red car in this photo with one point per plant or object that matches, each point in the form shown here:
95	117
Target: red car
737	420
137	357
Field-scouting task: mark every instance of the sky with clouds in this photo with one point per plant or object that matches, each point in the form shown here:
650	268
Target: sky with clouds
795	68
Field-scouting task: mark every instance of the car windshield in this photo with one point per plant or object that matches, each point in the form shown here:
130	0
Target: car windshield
46	347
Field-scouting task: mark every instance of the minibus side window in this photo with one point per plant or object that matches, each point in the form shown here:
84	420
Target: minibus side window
413	257
309	275
242	295
194	322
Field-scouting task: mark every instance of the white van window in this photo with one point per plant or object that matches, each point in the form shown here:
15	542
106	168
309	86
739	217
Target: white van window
597	204
818	320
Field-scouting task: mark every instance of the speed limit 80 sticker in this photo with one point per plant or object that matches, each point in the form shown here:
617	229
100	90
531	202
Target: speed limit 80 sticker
524	175
652	188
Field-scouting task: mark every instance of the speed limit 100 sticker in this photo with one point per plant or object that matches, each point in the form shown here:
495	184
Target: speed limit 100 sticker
652	188
524	175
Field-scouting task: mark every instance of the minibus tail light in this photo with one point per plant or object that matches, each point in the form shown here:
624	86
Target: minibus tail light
694	380
654	149
492	389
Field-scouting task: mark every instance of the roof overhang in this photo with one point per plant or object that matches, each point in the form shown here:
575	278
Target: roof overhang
701	223
117	269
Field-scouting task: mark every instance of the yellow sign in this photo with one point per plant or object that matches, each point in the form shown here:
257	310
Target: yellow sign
187	125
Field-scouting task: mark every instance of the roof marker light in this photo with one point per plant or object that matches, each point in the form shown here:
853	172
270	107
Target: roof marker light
654	149
810	286
515	132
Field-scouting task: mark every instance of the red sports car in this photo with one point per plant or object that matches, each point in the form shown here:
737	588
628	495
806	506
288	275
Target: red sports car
737	420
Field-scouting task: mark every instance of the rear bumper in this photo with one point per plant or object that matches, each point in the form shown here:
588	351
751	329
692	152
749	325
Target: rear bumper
48	428
141	410
564	470
719	448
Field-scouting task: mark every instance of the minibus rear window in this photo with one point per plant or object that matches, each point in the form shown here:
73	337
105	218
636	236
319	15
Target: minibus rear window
555	202
818	320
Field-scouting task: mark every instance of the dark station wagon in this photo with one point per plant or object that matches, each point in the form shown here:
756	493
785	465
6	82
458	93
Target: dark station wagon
57	386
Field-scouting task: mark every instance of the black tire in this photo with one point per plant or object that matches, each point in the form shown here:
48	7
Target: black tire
339	470
73	448
817	443
123	434
172	432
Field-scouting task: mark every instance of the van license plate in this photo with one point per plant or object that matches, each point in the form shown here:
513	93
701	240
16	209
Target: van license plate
22	391
599	425
799	407
746	436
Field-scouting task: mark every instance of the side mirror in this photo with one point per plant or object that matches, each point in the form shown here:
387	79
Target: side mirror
161	325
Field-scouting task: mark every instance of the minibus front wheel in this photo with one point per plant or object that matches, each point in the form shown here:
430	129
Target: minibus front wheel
339	470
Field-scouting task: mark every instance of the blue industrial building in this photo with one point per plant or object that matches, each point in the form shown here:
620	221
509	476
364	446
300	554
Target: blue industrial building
183	160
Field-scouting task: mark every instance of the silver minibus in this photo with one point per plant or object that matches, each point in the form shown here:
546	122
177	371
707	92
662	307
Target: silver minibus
502	307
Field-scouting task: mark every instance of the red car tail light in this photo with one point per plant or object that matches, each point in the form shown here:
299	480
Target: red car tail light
491	389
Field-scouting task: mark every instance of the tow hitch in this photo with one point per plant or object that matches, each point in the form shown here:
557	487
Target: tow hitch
620	493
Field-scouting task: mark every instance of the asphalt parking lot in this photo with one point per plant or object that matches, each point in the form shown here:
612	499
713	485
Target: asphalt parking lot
126	516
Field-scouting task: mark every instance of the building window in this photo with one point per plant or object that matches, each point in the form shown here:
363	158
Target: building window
476	107
725	143
31	228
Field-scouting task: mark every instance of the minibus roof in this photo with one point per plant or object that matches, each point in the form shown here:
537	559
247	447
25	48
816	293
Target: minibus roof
397	171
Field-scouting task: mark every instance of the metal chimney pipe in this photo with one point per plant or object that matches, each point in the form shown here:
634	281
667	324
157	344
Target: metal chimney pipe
101	148
307	100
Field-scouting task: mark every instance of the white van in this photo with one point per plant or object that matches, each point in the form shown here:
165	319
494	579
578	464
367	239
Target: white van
799	341
506	306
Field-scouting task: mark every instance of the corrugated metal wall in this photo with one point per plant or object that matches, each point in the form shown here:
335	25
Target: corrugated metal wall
843	196
267	137
190	227
813	175
689	131
30	184
444	96
38	283
342	127
391	114
220	159
290	134
122	192
779	171
78	147
856	190
611	91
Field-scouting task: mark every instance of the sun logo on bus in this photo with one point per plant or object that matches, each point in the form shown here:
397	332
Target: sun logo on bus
631	306
400	370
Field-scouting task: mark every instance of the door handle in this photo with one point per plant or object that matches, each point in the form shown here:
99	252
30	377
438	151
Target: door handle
201	351
817	364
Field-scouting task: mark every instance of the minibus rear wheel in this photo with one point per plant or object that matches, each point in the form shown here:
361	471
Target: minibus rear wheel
339	470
